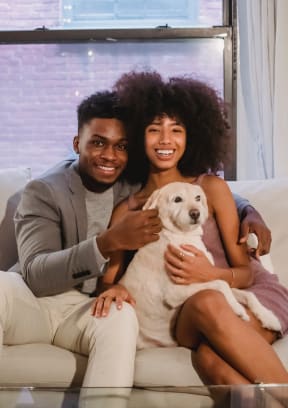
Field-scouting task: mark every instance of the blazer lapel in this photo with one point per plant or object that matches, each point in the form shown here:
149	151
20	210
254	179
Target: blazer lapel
78	200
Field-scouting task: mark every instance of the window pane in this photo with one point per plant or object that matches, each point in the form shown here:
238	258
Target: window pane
41	86
31	14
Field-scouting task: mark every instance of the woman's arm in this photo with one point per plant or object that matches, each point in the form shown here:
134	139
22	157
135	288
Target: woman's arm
114	269
107	290
225	212
146	230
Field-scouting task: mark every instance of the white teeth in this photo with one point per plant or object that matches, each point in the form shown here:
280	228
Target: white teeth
164	152
106	168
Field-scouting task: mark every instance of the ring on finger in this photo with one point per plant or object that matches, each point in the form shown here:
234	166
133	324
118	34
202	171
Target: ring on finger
181	255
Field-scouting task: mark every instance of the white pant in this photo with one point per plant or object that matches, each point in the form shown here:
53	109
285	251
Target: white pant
65	320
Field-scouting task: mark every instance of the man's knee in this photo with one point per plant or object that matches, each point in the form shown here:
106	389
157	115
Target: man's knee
119	327
118	321
126	316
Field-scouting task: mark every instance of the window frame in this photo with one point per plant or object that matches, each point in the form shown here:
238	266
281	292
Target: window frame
228	31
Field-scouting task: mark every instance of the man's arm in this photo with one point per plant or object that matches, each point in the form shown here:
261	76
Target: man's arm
252	222
51	258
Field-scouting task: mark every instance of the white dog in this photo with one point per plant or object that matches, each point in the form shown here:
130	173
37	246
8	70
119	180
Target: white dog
183	210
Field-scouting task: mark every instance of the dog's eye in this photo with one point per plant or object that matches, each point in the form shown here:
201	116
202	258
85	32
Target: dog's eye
178	199
198	198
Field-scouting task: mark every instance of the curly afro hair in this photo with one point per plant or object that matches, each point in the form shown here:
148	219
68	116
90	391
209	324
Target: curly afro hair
146	95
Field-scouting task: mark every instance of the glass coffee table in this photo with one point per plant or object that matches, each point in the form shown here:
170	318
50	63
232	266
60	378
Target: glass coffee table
256	396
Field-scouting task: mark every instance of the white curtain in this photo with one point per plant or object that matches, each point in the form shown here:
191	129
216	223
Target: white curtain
262	126
280	133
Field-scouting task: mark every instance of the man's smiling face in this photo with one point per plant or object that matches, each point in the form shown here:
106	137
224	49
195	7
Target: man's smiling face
102	148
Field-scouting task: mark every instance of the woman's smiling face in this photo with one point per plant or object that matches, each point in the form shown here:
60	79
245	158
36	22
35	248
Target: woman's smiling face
165	142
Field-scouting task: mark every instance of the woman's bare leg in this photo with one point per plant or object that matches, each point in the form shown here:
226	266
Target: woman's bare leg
236	343
212	369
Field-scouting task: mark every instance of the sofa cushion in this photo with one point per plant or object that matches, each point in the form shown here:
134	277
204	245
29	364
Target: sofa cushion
165	366
47	365
41	365
44	364
270	198
12	182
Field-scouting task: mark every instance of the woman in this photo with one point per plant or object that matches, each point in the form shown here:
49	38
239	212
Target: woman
182	135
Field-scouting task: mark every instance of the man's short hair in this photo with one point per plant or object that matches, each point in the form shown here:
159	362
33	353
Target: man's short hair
99	105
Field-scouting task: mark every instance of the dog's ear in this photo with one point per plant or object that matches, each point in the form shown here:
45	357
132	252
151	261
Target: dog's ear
152	200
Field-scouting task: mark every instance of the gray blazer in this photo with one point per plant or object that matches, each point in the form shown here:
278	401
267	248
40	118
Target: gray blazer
51	230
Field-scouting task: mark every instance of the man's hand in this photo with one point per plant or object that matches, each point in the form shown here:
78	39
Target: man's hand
134	230
117	293
252	222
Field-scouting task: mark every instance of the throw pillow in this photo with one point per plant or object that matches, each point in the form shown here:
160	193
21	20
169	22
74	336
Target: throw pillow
12	181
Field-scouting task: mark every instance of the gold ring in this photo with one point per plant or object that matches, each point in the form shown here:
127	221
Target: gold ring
181	254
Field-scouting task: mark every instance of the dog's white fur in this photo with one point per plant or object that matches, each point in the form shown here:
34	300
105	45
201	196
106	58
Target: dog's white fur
157	297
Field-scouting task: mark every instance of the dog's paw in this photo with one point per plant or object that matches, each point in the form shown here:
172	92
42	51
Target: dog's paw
241	311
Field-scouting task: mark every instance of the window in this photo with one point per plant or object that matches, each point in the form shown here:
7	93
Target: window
131	13
45	73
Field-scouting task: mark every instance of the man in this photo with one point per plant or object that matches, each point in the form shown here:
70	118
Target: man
64	243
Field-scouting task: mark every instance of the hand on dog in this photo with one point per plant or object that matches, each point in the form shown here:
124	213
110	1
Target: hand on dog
117	293
184	269
254	223
137	228
134	230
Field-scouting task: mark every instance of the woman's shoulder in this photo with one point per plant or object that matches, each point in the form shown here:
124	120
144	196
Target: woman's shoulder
211	181
216	190
132	202
119	210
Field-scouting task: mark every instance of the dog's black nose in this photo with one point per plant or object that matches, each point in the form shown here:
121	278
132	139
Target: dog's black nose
194	214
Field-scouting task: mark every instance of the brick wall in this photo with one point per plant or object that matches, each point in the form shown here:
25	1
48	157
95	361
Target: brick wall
41	85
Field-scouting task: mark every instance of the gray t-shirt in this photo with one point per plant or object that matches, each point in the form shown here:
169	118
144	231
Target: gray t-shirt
99	207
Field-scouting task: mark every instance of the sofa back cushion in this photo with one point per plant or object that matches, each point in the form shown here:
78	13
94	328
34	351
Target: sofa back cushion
12	182
270	198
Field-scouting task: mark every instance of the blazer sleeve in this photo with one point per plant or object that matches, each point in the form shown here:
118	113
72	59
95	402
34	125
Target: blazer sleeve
241	204
52	259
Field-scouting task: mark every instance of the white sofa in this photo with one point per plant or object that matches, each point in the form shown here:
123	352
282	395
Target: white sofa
47	365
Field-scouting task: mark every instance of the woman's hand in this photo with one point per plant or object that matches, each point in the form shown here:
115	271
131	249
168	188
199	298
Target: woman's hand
117	293
184	269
